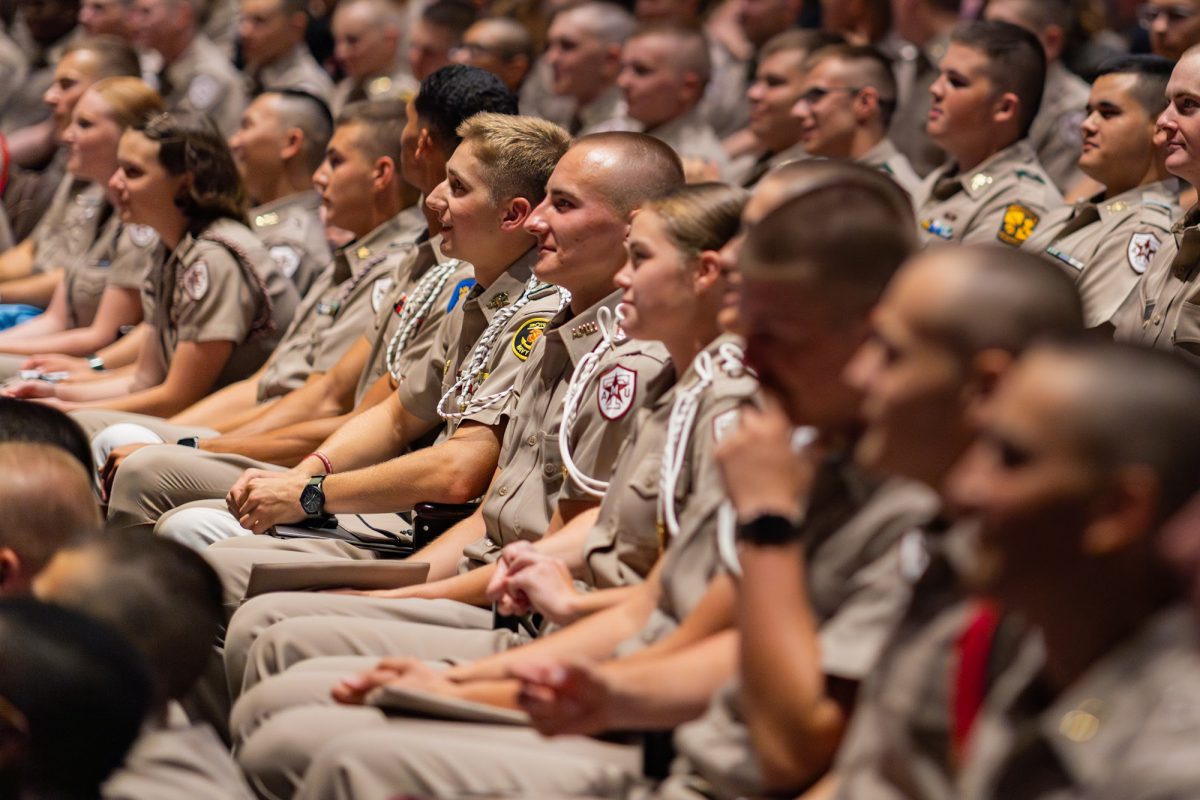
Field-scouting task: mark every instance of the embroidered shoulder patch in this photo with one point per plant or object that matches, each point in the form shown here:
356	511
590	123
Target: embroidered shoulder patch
1018	223
203	92
1141	250
142	235
379	291
195	281
286	258
615	391
527	335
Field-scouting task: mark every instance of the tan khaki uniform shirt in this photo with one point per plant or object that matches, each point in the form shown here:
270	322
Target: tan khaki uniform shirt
1125	730
120	257
1163	309
748	170
899	742
916	69
206	293
1003	200
1055	133
858	594
1106	246
335	311
887	159
395	85
14	66
724	105
203	80
524	496
693	138
292	231
295	69
69	226
427	382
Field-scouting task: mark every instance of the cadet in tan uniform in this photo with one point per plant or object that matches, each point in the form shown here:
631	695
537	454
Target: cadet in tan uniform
1107	242
100	288
196	74
845	107
1055	132
1070	483
409	313
664	70
166	601
575	82
993	189
216	308
668	444
917	409
271	34
280	143
500	45
1161	310
366	35
922	32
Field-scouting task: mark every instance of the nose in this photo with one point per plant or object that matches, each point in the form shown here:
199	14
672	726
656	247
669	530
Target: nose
756	92
536	222
624	277
1166	120
117	182
320	177
863	366
967	484
937	89
436	200
1088	126
52	96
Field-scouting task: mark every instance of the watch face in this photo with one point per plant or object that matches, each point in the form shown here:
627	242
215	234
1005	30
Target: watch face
311	500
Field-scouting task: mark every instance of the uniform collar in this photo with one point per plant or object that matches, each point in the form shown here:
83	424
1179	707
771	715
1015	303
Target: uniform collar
977	181
682	129
270	214
879	155
377	243
581	333
282	65
1128	200
507	288
1089	725
609	105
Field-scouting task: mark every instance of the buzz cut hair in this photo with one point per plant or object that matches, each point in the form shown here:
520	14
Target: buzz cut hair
871	67
1151	73
1041	14
648	168
608	22
1016	63
689	51
379	124
306	111
801	41
517	153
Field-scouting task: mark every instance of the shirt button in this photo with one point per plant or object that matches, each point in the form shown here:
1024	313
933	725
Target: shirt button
550	469
532	440
1157	319
502	491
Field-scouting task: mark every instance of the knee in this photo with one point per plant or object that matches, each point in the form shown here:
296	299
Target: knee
119	435
198	527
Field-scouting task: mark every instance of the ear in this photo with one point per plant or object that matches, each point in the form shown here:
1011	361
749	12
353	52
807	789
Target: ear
293	143
1053	39
514	214
629	222
612	58
12	577
986	368
1126	511
424	144
1006	108
866	103
383	173
692	86
708	271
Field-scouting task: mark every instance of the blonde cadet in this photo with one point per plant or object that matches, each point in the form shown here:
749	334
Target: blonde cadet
1107	242
993	189
100	291
217	306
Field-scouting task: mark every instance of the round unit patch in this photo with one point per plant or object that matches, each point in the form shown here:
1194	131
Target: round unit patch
1141	251
379	291
527	335
142	235
195	281
286	258
203	92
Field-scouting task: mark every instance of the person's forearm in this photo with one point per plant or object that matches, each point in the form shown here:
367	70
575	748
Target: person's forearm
469	587
75	342
34	290
453	471
669	691
794	726
124	351
595	637
371	438
157	401
17	261
713	614
285	447
31	331
212	410
109	386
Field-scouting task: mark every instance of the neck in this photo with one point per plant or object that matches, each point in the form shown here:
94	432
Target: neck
501	258
1156	173
171	233
284	184
174	46
1079	622
589	97
697	336
970	157
584	297
381	212
864	140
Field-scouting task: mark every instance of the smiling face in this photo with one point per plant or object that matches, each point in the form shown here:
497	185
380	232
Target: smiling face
655	88
92	138
580	234
462	202
345	182
104	17
825	110
1175	26
963	99
776	88
153	22
144	190
361	45
1118	134
1027	484
73	75
579	61
1180	121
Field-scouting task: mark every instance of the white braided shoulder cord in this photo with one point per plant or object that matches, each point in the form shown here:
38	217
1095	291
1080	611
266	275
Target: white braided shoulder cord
416	309
465	383
610	335
727	515
681	424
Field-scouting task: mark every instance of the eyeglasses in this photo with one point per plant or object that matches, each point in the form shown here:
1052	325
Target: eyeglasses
817	93
1147	14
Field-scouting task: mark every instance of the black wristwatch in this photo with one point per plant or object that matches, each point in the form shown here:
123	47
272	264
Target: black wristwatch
312	498
768	530
189	441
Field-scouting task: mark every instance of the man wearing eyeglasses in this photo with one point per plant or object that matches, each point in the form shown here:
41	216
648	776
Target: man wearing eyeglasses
844	109
1174	26
984	101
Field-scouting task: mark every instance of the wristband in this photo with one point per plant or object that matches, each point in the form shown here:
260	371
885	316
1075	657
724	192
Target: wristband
96	363
769	530
324	459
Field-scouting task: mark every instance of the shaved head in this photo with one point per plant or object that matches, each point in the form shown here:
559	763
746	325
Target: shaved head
630	168
1024	296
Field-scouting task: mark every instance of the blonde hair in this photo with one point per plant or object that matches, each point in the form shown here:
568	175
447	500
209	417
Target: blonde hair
517	153
701	216
130	100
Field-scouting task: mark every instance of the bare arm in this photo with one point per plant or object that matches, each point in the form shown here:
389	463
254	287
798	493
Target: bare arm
54	320
34	290
17	262
211	410
118	307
